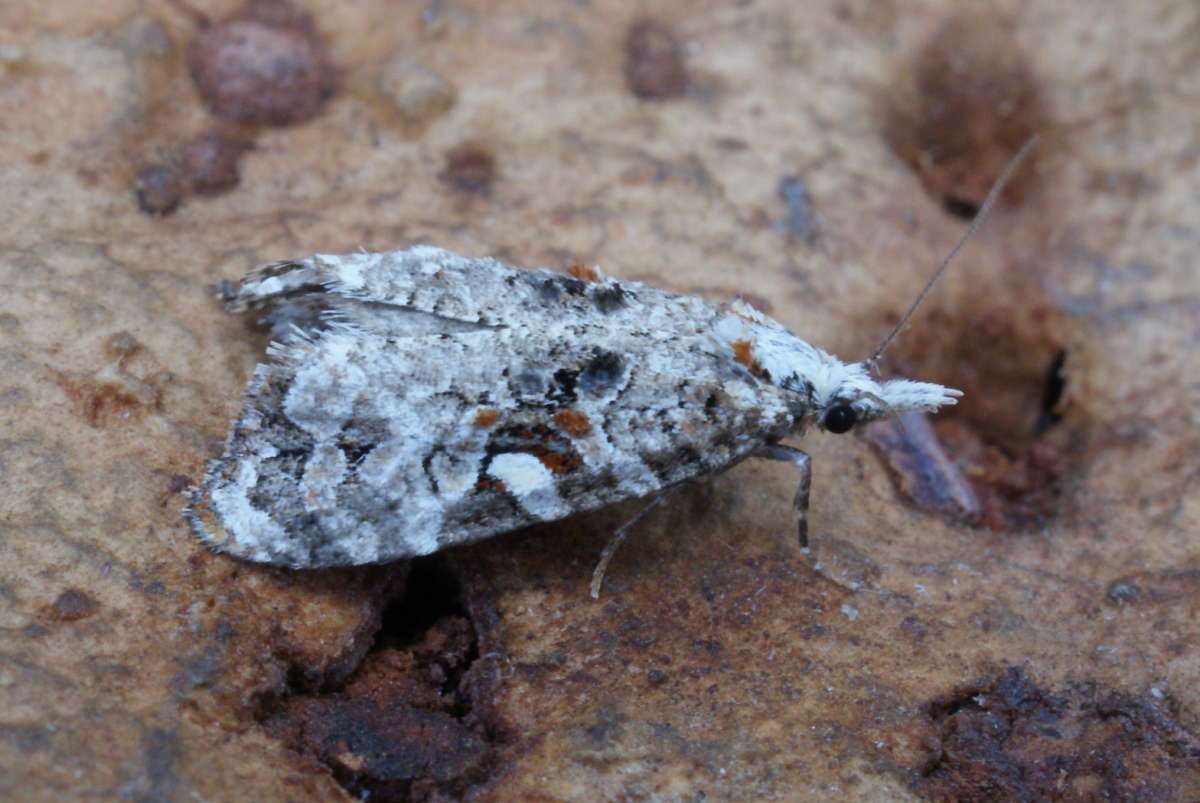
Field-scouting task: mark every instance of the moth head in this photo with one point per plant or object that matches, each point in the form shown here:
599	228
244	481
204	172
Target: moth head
853	398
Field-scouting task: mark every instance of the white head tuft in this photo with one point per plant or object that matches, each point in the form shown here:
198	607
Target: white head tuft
839	395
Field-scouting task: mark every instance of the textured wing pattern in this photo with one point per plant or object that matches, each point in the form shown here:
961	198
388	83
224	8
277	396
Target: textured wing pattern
420	399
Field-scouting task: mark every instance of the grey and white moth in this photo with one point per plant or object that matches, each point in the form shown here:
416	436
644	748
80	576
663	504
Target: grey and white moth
418	399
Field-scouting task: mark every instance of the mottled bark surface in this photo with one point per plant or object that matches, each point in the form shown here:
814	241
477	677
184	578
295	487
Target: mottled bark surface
1003	606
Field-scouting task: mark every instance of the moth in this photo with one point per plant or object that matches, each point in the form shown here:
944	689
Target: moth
418	399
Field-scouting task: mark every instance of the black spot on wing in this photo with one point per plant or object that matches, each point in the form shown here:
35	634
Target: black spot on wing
604	372
572	286
609	298
565	381
549	290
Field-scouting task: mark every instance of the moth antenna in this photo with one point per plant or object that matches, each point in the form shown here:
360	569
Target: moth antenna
984	209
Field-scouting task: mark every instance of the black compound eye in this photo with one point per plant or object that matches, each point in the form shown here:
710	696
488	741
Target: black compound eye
840	419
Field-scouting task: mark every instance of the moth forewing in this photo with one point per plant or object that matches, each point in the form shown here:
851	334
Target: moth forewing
521	396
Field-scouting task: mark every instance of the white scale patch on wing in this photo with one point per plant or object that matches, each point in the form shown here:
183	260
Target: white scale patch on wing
253	529
325	387
323	473
531	483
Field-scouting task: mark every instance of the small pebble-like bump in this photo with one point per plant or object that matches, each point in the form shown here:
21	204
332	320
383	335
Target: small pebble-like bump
1123	591
265	64
419	94
609	298
602	373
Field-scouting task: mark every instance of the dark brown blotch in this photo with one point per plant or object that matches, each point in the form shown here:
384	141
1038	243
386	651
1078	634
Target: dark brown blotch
655	68
470	168
969	102
207	165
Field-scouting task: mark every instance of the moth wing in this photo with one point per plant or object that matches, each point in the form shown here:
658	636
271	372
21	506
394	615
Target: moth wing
425	280
370	442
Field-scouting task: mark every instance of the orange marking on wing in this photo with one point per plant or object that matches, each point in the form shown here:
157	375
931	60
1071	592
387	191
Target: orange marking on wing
574	423
560	463
577	270
743	352
484	417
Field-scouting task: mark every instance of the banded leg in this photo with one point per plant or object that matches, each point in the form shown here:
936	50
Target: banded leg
803	462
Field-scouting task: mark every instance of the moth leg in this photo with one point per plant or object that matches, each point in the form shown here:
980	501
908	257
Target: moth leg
803	462
610	548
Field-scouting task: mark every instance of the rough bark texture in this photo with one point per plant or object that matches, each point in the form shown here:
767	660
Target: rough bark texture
1037	642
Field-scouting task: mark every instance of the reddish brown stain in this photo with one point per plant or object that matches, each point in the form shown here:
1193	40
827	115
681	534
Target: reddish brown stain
574	423
970	103
490	485
205	166
582	273
101	403
654	67
73	605
486	417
